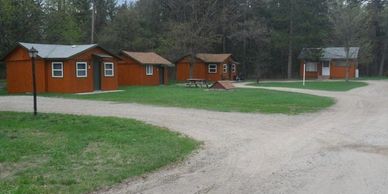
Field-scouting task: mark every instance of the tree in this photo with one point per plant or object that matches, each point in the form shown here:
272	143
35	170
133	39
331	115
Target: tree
383	18
296	24
20	20
123	32
346	19
250	37
105	11
264	35
192	28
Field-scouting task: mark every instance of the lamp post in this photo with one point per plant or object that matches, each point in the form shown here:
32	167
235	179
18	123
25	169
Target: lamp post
33	53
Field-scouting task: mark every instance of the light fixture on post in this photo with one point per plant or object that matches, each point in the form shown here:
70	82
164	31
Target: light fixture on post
33	54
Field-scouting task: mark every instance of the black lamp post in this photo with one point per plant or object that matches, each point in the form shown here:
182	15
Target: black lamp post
33	53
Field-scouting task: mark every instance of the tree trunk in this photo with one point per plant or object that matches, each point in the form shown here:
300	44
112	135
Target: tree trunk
289	65
382	61
245	65
347	63
192	63
93	22
258	74
290	37
223	27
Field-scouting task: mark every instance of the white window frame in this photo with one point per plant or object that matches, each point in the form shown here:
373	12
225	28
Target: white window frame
233	68
52	70
311	67
149	70
105	69
225	68
212	68
78	70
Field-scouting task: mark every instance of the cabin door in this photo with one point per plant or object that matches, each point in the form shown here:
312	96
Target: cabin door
96	74
325	68
161	75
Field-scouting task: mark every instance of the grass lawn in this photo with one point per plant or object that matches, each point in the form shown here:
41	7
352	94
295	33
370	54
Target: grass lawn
3	91
56	153
373	78
316	85
238	100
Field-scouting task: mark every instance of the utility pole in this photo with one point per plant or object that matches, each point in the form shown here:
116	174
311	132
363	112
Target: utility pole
93	20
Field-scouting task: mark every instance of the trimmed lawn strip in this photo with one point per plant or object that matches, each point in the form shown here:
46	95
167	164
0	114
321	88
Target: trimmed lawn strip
316	85
56	153
373	78
3	89
3	92
238	100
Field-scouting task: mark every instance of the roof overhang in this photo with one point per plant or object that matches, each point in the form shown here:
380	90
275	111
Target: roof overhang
125	53
102	55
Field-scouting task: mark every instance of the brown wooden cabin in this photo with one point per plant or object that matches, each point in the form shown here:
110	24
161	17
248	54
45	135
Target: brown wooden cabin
143	69
211	67
61	68
330	64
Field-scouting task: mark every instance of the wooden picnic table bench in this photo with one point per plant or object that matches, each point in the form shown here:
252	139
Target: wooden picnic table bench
197	83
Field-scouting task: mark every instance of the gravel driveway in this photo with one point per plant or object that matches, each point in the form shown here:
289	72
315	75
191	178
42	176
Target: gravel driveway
343	149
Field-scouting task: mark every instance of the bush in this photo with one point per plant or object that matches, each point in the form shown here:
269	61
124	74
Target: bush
386	74
2	70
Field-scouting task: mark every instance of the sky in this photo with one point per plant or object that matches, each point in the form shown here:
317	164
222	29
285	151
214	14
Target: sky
123	1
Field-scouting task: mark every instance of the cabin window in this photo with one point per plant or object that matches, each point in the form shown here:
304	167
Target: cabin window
108	70
81	69
225	68
149	70
57	69
212	68
340	63
233	68
311	67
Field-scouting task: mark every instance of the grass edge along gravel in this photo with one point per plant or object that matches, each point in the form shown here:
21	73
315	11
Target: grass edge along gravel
237	100
58	153
316	85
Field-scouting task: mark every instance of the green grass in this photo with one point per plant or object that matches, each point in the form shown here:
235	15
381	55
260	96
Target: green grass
3	85
316	85
238	100
56	153
373	78
3	91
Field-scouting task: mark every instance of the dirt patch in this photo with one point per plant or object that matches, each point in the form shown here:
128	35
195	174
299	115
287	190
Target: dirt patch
366	148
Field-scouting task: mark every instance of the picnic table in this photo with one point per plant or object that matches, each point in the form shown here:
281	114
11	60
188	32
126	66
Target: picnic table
197	83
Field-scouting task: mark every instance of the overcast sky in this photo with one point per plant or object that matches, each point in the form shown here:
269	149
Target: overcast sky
123	1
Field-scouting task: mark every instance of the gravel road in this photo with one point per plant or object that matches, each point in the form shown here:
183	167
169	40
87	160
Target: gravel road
343	149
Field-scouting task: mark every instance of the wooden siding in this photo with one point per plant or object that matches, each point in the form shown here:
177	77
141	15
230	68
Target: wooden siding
19	70
132	73
340	72
19	76
200	71
336	72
